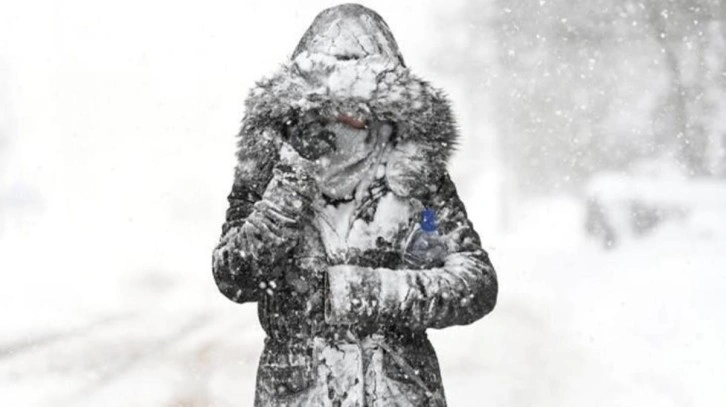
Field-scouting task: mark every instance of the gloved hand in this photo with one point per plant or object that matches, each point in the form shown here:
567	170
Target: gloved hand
273	227
309	137
294	173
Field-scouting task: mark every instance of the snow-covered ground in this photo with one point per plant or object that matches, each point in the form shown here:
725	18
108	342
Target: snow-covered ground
575	325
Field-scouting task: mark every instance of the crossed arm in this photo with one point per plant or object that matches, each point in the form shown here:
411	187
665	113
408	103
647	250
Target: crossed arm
461	291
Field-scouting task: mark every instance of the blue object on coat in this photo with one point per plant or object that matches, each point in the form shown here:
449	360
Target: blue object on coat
428	220
426	247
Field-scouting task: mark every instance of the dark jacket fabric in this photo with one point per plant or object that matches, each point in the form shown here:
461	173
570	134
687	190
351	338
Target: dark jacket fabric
345	313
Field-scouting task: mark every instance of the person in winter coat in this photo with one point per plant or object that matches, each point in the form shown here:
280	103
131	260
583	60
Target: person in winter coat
344	225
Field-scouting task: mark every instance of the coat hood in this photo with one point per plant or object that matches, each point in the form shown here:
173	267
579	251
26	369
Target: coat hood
348	32
348	63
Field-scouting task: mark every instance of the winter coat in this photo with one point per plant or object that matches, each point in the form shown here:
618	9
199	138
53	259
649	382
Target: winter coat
345	313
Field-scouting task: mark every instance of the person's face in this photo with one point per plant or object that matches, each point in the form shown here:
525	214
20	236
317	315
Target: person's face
345	150
343	167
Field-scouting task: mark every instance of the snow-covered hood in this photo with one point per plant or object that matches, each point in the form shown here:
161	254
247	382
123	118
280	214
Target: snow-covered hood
349	32
348	63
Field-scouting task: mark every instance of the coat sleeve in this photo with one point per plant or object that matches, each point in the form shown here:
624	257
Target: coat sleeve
459	292
266	206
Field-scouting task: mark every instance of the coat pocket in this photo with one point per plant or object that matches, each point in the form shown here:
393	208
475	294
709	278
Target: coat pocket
284	372
413	364
285	381
415	371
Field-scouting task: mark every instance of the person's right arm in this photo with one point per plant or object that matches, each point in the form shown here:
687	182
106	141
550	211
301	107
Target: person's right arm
270	199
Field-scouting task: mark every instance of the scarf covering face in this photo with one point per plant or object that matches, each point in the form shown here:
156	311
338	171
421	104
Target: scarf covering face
351	165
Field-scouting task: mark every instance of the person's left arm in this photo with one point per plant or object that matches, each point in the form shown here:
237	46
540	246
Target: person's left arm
460	292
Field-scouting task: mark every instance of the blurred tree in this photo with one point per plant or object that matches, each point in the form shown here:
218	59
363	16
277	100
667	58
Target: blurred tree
589	86
691	36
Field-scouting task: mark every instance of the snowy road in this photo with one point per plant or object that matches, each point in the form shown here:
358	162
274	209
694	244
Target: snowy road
641	325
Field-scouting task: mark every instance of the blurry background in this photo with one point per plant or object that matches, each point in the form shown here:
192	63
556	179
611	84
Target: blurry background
592	162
